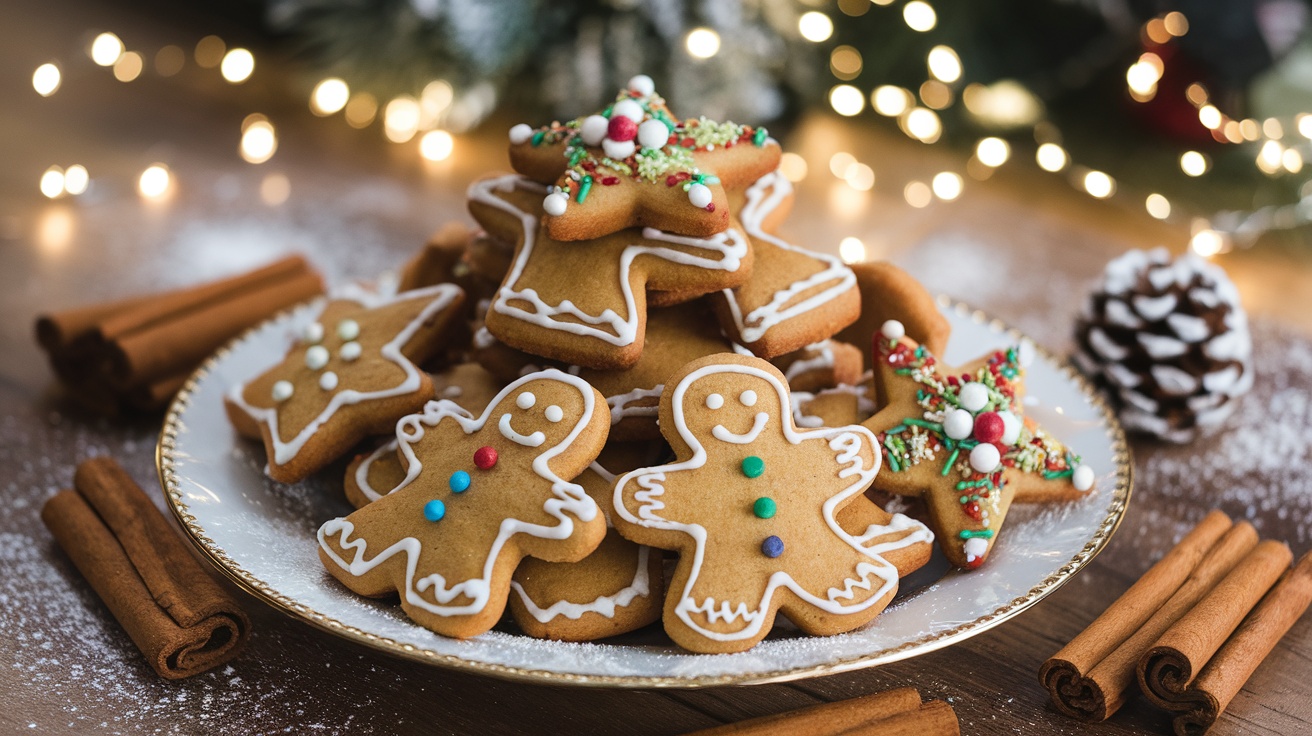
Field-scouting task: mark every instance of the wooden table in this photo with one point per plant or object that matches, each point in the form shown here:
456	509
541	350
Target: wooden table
1019	245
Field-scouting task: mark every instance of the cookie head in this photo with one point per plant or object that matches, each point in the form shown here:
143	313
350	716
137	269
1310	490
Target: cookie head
730	403
541	413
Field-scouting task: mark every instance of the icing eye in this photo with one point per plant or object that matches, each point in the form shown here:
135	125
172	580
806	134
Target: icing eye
348	329
526	400
313	333
748	398
555	413
714	401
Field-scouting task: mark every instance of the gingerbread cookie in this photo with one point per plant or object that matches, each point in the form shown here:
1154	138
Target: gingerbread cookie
888	292
617	588
584	303
958	438
372	475
821	365
767	539
352	373
636	165
794	296
479	495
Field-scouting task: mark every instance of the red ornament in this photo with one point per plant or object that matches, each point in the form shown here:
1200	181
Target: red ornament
485	457
989	427
622	129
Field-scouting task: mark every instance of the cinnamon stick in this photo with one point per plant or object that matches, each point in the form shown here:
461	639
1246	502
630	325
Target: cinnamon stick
1165	672
175	613
1088	678
61	330
1210	693
825	719
935	718
159	347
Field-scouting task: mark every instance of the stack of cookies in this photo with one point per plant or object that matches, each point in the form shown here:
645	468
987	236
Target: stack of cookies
646	405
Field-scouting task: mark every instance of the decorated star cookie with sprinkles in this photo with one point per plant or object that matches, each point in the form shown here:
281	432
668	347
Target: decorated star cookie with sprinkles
750	503
957	437
635	164
585	303
479	494
352	372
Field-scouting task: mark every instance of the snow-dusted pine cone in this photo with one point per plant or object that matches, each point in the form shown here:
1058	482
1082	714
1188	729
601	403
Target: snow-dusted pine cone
1170	340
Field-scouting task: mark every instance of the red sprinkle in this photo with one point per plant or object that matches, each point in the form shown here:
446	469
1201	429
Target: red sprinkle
689	143
710	207
610	181
973	511
485	457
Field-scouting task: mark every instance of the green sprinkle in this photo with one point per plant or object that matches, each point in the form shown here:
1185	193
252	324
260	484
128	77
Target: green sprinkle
576	155
764	507
898	428
584	186
981	534
753	466
965	499
952	459
903	371
1055	474
759	137
538	136
931	426
981	483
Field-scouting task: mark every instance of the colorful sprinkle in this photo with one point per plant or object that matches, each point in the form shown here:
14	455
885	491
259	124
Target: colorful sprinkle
485	457
764	508
753	466
584	187
434	510
459	481
772	547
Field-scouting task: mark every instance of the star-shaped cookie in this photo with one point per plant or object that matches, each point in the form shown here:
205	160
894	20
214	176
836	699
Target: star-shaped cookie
957	437
750	503
351	373
635	164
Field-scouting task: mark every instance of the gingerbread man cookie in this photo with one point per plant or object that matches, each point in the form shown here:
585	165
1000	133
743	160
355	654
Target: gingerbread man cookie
958	438
584	303
636	165
479	495
750	504
352	373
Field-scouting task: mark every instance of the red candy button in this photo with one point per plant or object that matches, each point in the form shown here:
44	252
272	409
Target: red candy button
621	129
989	427
485	457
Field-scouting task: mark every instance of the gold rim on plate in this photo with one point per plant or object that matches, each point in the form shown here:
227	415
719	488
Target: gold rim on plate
1120	497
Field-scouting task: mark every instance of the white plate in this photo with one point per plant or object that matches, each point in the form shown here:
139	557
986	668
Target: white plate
262	534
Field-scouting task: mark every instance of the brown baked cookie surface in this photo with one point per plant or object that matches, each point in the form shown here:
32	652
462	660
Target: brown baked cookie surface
352	372
767	539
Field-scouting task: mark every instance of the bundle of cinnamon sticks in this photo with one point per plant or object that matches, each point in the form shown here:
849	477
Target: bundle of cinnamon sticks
892	713
134	354
179	618
1190	632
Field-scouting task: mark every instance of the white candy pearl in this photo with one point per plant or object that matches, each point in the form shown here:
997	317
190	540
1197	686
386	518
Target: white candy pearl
350	351
618	150
984	458
629	109
520	134
282	390
958	424
975	548
593	129
642	84
1011	425
555	204
973	396
653	134
1082	478
313	333
348	329
699	195
328	381
316	357
893	330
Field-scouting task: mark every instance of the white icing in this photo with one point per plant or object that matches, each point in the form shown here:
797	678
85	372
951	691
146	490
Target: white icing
763	197
802	399
604	605
350	351
533	439
620	403
1154	308
846	442
723	252
442	295
526	400
714	401
1188	327
822	359
1174	381
483	339
748	398
328	381
1161	346
554	413
567	498
1104	347
758	424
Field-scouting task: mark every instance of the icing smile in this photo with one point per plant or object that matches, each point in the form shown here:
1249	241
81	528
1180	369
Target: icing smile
532	440
750	435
